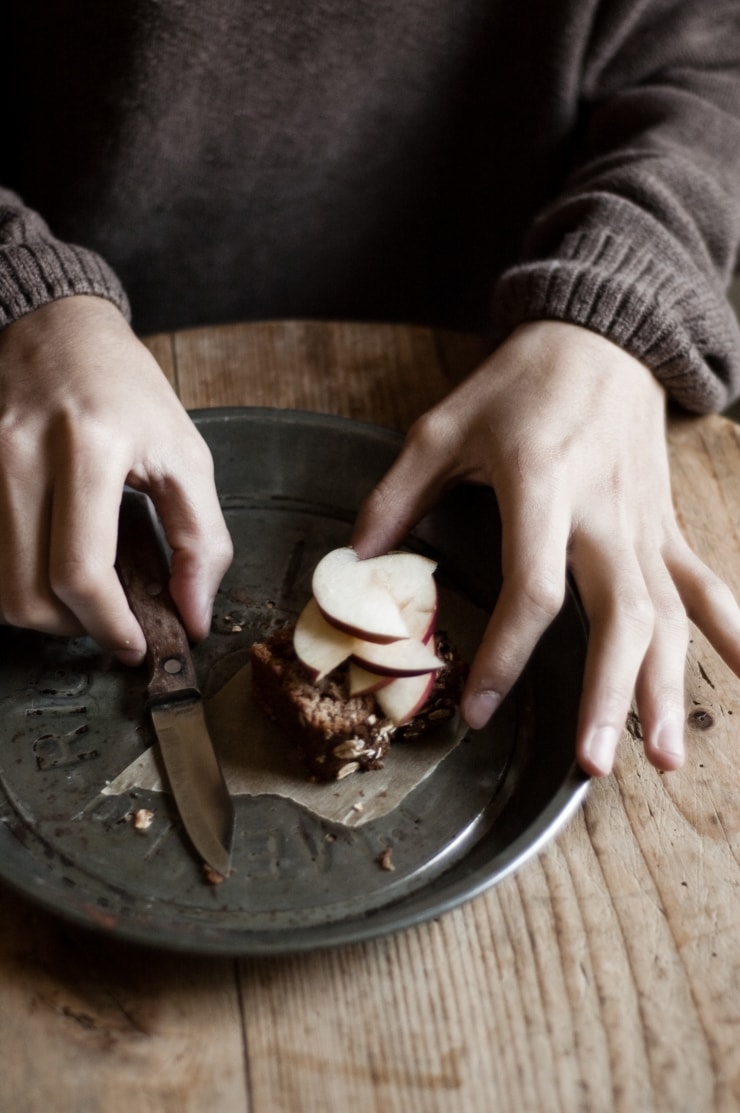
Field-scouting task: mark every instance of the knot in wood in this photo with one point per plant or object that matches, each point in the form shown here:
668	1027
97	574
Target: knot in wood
701	719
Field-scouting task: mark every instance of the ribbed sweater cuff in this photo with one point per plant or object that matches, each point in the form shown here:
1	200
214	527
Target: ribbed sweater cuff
34	273
623	291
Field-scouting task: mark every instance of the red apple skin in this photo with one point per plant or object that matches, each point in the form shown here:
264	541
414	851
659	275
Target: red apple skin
356	600
375	599
324	640
359	632
404	658
404	697
363	682
322	647
417	595
420	623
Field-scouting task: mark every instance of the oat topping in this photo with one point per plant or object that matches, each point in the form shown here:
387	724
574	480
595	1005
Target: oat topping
384	859
346	770
351	748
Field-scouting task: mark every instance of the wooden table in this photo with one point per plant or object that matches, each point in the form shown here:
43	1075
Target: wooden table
605	975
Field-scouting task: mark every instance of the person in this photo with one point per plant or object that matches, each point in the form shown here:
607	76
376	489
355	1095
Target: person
561	174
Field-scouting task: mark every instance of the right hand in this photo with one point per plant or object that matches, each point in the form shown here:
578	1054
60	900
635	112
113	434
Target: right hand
85	409
569	431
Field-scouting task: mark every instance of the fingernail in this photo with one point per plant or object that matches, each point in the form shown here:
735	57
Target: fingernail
669	737
600	748
478	708
207	613
131	657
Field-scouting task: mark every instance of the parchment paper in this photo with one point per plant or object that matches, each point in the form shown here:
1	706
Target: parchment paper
257	761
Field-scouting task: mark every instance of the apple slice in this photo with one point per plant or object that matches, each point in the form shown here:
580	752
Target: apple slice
404	697
421	620
407	657
322	647
354	598
409	577
362	681
319	645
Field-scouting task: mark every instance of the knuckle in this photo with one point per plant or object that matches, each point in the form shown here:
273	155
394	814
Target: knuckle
718	596
35	612
199	455
614	701
542	592
636	611
18	451
15	602
671	615
16	614
74	579
434	436
428	431
544	464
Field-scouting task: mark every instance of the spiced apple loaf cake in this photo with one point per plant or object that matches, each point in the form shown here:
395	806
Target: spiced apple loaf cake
336	733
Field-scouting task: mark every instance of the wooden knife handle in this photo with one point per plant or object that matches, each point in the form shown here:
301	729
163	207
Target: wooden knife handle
144	572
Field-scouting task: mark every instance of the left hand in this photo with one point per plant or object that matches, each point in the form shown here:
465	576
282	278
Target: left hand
569	431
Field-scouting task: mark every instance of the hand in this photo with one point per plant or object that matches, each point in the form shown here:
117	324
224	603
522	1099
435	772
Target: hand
570	433
84	409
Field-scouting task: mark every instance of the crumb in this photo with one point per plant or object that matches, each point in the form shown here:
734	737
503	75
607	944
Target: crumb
143	819
384	859
212	876
239	595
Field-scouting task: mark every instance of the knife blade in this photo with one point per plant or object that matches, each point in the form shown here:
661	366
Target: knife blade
174	700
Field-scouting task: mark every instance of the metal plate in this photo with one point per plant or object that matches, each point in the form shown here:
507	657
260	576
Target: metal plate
73	719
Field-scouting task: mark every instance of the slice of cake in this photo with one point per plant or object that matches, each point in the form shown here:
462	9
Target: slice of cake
362	665
336	733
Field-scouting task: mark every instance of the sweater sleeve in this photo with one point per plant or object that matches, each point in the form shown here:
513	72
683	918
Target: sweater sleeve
641	243
36	268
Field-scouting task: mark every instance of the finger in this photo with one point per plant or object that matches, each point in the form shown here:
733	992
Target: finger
82	553
659	689
620	614
708	601
534	549
26	598
408	490
201	545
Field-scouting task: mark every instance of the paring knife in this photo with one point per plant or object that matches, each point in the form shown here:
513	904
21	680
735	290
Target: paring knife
174	701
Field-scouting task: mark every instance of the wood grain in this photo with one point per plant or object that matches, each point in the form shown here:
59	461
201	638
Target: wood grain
366	372
603	977
582	982
91	1026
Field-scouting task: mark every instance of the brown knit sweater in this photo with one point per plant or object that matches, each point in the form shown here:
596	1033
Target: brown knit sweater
475	163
